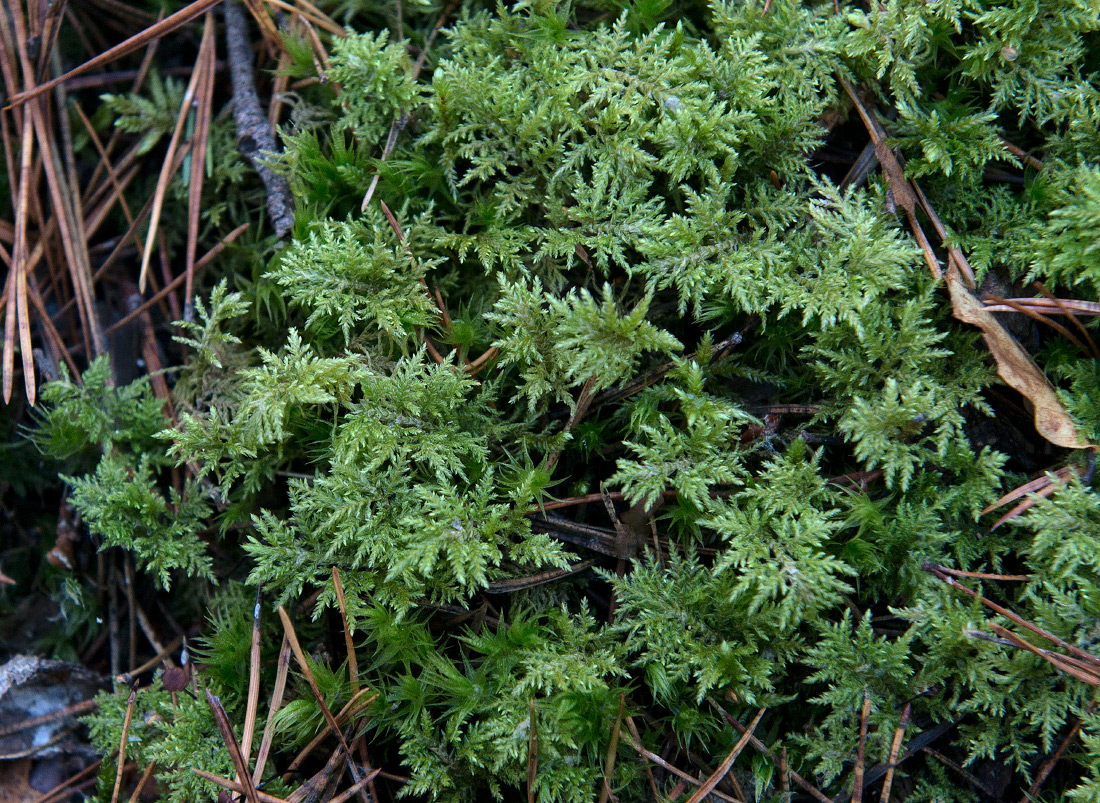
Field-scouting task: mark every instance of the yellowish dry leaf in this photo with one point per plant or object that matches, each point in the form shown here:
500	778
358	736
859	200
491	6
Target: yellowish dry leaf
1015	366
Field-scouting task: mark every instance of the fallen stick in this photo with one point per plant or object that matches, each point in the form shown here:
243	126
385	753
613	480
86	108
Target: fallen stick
254	134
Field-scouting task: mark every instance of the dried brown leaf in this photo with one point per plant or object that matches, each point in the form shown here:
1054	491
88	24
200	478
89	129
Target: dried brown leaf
1015	366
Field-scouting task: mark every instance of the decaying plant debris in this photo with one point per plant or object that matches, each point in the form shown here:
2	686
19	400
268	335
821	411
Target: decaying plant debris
578	401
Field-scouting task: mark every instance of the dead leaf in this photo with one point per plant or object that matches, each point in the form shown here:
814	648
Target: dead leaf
1015	366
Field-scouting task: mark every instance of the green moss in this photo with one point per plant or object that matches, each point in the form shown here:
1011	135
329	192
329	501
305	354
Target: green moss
598	200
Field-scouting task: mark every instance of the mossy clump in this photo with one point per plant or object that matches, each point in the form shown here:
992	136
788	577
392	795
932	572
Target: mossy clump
612	300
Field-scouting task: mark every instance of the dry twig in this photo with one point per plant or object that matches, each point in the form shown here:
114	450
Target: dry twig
254	134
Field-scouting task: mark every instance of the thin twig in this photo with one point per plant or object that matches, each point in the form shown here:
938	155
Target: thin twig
254	134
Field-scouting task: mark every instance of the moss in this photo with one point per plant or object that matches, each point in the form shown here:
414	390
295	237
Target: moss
581	203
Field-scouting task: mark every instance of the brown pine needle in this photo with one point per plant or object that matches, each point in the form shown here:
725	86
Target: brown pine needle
636	742
318	18
135	42
156	659
123	742
726	765
292	637
279	85
1048	765
69	785
637	738
951	765
857	775
9	333
759	745
270	33
533	751
64	199
1030	487
233	786
476	365
577	500
203	104
309	9
1087	658
1038	317
353	790
145	776
351	708
168	169
231	744
112	174
273	708
1019	578
353	664
207	258
1083	672
17	276
895	749
1064	306
612	751
1025	505
253	703
320	55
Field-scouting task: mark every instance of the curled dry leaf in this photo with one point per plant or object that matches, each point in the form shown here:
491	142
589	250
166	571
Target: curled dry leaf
1015	366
